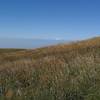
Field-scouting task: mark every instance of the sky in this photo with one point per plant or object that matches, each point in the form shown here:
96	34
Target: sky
50	19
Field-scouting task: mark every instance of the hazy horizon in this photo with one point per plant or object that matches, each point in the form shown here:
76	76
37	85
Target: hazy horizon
28	43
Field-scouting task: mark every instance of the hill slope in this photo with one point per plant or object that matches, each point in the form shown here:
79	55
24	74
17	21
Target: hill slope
62	72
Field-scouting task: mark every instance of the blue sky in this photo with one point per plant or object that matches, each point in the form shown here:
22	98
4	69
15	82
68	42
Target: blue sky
49	19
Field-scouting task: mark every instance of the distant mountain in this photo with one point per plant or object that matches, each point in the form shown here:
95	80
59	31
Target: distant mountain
27	43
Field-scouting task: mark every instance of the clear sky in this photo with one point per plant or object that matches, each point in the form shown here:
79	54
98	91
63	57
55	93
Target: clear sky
50	19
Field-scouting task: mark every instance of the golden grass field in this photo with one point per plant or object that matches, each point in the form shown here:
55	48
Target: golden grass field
61	72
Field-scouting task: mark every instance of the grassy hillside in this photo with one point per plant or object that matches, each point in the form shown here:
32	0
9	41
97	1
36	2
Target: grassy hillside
62	72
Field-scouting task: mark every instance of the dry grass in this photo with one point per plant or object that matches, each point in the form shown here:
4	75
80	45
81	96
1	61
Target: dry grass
62	72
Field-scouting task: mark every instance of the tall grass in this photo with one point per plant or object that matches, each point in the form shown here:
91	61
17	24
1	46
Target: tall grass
63	72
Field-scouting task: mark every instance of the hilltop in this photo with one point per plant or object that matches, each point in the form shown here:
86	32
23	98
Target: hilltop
62	72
